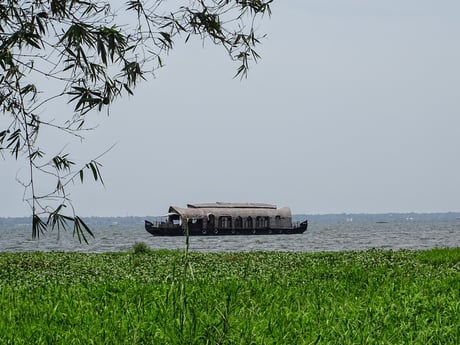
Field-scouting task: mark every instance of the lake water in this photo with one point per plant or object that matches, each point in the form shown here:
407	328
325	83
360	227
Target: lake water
319	237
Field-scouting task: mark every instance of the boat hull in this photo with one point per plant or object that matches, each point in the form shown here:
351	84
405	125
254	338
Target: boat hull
179	231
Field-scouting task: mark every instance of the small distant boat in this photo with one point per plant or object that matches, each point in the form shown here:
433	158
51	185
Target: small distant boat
381	222
222	218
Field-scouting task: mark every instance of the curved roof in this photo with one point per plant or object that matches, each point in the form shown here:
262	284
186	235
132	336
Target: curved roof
204	212
232	205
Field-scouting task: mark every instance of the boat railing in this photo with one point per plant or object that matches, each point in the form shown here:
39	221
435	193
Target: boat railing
165	225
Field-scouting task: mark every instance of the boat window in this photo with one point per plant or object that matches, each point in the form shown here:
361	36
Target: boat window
225	222
278	220
238	222
262	222
174	219
210	223
211	218
248	223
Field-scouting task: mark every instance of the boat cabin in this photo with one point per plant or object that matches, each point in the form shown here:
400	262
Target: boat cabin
225	218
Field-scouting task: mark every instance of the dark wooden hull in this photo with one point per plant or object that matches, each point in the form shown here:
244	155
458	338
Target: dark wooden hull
178	231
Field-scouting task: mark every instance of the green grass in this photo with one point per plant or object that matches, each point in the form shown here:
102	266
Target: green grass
168	297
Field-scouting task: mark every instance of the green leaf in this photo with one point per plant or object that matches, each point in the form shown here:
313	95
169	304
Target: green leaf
62	162
58	220
80	228
101	50
36	154
94	167
38	226
15	143
135	5
128	89
3	135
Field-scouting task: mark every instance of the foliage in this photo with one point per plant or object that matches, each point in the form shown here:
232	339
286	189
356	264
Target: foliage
140	248
371	297
88	53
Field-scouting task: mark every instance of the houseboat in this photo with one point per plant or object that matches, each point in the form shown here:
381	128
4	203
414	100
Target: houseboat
222	218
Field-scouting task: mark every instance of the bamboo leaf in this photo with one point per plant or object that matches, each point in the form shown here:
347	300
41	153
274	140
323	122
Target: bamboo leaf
94	170
38	226
80	228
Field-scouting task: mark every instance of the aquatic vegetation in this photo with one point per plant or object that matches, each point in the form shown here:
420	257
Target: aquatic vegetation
140	248
168	297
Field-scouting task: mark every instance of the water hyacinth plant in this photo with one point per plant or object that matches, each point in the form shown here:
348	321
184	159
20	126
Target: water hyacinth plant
166	297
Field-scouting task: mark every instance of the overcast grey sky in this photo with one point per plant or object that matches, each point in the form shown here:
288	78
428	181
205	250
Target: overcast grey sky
354	107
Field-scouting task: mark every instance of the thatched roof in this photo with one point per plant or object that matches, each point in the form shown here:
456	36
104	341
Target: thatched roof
231	205
230	209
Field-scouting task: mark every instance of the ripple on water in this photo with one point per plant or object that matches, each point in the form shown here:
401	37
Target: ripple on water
319	237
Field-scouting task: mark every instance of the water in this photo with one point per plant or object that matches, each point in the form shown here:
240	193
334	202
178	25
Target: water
334	236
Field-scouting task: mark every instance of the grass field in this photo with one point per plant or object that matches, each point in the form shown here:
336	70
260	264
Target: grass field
172	297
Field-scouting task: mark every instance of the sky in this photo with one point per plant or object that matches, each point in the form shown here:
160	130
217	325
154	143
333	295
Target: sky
353	108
